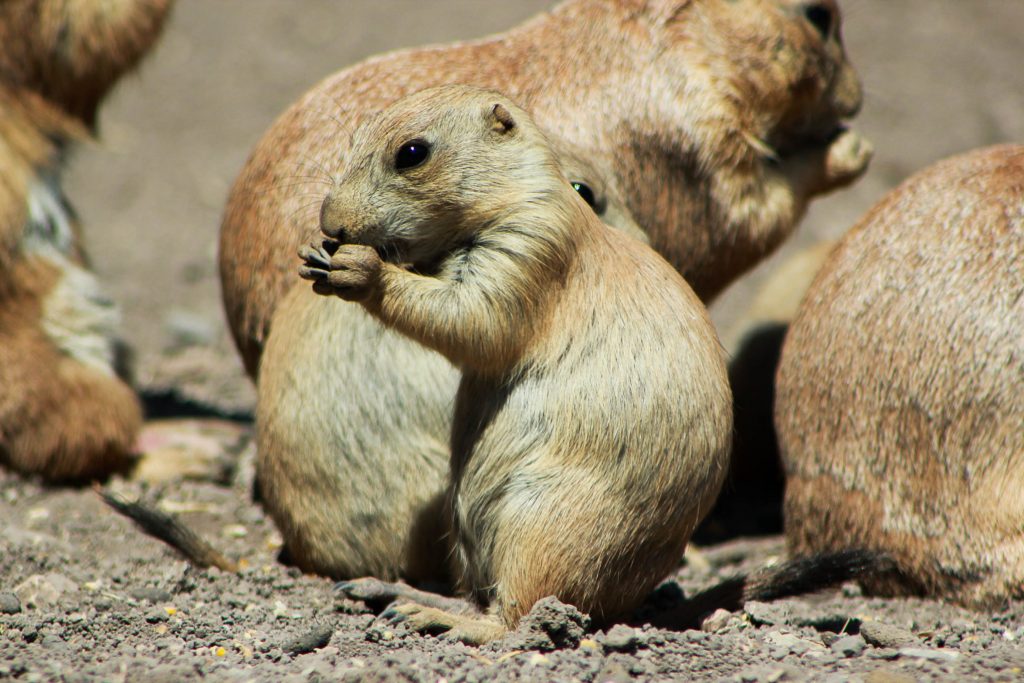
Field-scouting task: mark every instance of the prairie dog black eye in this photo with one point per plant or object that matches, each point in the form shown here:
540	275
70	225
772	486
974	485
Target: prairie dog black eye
820	17
411	154
586	193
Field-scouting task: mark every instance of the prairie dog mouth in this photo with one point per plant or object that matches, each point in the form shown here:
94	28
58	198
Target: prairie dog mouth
793	142
391	252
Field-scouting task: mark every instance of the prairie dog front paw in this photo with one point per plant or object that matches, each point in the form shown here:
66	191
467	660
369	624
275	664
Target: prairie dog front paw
848	158
350	271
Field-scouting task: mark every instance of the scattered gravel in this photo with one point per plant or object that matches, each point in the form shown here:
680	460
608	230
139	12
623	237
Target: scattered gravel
139	613
83	596
849	646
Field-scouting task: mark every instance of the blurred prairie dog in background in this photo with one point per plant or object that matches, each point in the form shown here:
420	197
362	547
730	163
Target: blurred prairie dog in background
900	394
593	418
734	107
714	122
65	413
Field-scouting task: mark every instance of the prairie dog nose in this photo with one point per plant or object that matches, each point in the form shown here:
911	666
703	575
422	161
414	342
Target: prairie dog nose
332	223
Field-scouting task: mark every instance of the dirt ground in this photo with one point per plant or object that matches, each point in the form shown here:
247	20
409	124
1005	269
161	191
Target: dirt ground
84	596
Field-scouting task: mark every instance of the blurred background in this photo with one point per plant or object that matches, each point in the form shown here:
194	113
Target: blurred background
941	76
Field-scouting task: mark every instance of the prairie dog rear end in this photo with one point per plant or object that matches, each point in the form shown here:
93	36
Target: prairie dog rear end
900	393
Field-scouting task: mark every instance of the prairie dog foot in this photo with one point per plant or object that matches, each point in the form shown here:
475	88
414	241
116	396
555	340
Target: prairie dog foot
350	271
472	630
376	592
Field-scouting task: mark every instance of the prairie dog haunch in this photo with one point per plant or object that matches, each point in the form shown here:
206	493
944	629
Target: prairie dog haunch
900	392
593	420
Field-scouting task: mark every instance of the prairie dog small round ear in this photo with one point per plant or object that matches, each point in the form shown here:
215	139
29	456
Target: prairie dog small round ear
502	119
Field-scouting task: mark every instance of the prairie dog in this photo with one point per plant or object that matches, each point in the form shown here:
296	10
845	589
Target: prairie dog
593	417
65	413
900	393
716	121
713	122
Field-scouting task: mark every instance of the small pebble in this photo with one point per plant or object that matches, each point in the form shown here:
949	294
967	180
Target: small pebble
789	643
37	514
886	635
620	638
235	531
852	590
763	613
40	590
537	659
156	615
53	643
314	639
150	594
9	603
849	646
718	620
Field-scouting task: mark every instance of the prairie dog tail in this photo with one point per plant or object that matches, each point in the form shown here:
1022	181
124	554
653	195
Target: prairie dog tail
797	576
171	531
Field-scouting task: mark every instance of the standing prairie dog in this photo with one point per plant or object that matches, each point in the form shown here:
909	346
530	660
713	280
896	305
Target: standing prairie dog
65	413
593	418
714	122
362	496
900	393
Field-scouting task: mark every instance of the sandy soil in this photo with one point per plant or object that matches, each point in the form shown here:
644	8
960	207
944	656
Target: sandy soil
83	595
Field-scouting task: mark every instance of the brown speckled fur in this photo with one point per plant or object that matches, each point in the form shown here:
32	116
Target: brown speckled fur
900	394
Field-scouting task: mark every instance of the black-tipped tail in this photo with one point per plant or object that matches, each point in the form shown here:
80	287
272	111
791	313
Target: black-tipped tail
797	576
813	573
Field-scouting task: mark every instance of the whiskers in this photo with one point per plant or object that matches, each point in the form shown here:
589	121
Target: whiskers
307	213
308	186
760	147
392	252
